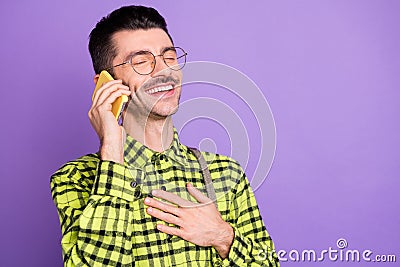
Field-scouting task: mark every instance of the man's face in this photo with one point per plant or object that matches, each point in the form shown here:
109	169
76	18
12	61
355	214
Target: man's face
144	100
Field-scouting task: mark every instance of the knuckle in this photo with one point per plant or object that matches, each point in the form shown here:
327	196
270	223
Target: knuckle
92	112
99	108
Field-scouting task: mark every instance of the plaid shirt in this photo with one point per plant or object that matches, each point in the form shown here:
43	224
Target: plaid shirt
104	220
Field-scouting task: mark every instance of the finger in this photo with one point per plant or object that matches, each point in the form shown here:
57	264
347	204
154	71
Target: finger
105	94
103	87
170	230
173	198
162	206
112	97
95	110
164	216
107	105
197	194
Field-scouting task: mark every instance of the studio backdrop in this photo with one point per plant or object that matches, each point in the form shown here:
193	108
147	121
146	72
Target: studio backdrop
304	94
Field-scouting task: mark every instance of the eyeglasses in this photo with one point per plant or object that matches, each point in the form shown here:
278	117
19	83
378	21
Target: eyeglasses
144	62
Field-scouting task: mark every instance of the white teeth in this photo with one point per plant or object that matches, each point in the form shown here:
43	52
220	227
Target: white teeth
159	89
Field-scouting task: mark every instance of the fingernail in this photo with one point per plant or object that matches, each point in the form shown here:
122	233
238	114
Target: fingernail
159	226
149	210
154	192
147	200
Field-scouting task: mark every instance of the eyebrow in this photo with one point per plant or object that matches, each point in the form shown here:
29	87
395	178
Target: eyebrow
131	53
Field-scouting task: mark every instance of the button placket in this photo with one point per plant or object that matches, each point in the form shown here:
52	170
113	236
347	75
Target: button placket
138	192
158	159
137	178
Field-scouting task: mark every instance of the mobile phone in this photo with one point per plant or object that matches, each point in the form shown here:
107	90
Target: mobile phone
119	104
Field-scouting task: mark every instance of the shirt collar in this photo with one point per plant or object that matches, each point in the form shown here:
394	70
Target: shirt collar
136	154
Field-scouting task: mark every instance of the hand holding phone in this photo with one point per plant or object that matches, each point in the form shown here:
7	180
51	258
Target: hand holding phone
119	104
109	96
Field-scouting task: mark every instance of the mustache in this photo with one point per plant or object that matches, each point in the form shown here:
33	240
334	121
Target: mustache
159	80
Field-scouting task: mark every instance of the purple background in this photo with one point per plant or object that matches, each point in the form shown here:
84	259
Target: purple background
329	69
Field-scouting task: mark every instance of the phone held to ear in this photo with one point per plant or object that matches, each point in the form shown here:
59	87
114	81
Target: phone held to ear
119	104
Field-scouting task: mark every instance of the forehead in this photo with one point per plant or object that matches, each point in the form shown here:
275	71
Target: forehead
128	41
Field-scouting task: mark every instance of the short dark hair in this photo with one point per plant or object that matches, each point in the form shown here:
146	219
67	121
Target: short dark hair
101	47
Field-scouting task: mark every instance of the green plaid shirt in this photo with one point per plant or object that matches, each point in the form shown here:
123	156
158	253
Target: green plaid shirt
104	220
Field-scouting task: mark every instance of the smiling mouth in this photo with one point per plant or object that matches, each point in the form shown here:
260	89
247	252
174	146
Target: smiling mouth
160	89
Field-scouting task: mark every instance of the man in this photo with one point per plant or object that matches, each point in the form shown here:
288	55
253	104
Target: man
140	201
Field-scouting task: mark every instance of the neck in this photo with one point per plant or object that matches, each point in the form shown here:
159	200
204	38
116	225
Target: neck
155	133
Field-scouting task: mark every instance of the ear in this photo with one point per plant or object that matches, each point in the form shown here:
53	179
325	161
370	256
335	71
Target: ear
96	78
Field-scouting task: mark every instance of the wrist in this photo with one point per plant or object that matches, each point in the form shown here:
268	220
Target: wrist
112	153
224	241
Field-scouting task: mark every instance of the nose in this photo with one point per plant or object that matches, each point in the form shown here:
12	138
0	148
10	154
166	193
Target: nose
159	65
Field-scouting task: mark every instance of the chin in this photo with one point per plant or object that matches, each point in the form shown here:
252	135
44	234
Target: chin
163	109
163	112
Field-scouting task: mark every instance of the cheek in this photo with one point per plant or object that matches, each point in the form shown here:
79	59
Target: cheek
136	82
179	75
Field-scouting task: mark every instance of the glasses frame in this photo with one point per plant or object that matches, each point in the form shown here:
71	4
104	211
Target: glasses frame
154	60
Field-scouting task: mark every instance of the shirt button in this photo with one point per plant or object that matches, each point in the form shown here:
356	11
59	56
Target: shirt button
218	263
163	188
138	193
134	184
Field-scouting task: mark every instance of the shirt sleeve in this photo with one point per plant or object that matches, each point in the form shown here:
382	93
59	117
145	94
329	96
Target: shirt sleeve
252	245
93	206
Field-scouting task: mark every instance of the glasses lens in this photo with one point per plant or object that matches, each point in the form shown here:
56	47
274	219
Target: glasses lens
175	58
143	62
